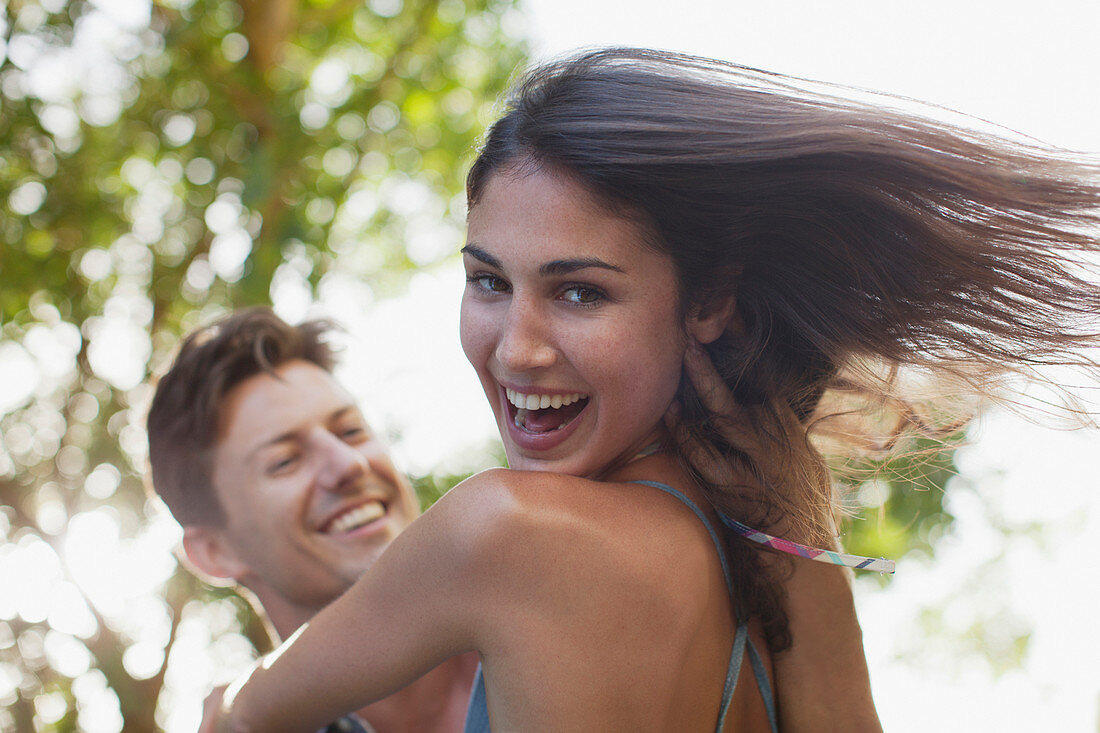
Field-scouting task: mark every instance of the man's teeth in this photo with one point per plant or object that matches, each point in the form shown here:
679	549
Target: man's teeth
542	401
357	517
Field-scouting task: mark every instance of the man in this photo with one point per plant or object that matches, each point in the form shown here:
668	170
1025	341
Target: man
282	488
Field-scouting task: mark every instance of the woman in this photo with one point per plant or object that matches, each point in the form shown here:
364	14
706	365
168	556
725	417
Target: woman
632	211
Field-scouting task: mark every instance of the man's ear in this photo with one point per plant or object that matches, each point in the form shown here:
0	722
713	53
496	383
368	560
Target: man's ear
712	319
212	556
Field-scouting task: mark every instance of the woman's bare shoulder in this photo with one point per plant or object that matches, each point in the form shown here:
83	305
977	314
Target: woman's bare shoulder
616	534
575	568
488	513
500	500
499	505
500	497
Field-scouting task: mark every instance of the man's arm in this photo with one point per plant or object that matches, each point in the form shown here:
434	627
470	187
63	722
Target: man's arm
822	680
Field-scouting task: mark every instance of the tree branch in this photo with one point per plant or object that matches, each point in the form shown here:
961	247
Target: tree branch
267	25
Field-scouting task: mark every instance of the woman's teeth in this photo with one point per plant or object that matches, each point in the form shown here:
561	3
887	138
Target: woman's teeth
542	401
540	412
357	517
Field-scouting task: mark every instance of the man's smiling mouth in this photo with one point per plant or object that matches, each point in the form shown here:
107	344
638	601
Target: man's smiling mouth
355	517
544	413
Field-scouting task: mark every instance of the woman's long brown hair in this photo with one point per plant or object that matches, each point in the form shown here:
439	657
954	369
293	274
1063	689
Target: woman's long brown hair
857	240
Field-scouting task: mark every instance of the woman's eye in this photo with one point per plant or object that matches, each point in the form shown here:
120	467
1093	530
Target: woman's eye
488	283
582	295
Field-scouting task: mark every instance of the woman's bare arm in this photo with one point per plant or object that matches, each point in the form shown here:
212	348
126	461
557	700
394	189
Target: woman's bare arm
417	606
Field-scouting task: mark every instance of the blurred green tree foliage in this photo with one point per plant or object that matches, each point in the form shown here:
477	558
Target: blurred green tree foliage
896	503
160	163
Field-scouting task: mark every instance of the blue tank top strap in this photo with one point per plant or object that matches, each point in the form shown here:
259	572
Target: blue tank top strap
763	683
741	640
706	523
477	712
733	671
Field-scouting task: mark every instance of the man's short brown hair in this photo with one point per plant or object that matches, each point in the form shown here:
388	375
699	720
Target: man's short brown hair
186	408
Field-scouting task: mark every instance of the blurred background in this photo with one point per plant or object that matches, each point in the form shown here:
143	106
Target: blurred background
163	162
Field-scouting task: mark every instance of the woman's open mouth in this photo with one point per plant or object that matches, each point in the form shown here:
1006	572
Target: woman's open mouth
539	414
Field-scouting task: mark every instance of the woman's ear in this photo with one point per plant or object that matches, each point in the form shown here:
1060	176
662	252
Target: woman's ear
713	318
212	556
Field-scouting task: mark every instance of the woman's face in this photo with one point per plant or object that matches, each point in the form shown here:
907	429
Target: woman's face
571	323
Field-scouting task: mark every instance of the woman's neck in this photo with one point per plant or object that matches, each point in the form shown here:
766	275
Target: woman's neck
656	441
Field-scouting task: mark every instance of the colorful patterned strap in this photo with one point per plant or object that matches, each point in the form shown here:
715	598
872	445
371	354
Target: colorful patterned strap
810	553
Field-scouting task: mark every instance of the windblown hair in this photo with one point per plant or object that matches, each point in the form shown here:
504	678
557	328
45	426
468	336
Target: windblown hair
186	410
857	240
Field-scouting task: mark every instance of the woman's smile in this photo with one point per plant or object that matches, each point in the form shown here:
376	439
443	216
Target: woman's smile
571	322
539	420
543	412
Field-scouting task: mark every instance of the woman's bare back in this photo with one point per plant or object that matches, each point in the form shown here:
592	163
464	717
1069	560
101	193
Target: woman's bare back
615	613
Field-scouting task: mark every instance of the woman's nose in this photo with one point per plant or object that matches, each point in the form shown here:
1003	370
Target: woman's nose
524	341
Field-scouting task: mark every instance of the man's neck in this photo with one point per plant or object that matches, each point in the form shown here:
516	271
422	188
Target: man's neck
285	618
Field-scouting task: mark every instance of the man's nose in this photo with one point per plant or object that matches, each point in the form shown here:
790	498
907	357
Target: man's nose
525	341
342	464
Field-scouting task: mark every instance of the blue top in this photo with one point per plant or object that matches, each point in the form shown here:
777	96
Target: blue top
348	724
477	714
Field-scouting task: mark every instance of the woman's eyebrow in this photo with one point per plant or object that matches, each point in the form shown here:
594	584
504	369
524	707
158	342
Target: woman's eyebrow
479	254
550	269
564	267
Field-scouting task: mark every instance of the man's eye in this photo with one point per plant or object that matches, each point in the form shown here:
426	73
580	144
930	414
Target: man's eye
582	295
354	433
488	283
282	465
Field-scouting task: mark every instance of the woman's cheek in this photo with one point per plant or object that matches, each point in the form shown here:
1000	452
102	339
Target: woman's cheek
664	363
649	373
473	331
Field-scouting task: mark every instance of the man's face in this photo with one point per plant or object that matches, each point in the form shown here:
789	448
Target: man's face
311	499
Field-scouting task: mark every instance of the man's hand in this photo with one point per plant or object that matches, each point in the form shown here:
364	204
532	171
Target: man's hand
211	708
217	709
